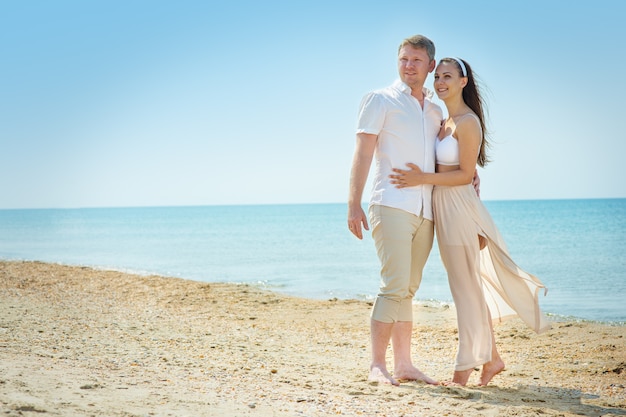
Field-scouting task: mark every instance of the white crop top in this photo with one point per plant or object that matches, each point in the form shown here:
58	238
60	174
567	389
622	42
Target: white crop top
447	149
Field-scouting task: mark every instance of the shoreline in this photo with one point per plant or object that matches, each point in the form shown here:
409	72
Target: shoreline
431	302
78	341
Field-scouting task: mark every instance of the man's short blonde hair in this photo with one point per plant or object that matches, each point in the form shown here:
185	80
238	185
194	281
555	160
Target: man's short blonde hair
420	42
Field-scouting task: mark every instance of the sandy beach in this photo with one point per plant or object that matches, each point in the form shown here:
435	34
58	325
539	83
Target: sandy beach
83	342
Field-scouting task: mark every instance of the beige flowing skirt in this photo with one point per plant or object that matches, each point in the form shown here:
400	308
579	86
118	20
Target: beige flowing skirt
485	283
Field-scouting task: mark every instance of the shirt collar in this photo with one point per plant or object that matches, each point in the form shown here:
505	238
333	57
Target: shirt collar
402	87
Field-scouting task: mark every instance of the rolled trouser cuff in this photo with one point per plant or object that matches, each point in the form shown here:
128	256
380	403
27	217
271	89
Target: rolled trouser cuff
387	310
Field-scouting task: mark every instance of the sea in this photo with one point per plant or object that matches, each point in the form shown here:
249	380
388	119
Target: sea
576	247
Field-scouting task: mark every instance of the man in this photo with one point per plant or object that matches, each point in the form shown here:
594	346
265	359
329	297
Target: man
396	125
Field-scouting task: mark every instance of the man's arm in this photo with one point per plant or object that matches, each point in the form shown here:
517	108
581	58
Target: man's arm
361	163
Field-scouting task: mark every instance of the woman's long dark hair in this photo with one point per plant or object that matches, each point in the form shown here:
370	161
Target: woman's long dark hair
473	98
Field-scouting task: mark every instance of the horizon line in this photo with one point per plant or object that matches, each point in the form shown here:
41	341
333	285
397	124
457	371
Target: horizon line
276	204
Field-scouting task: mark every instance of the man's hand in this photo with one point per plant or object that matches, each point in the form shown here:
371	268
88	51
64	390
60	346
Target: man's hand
357	221
476	183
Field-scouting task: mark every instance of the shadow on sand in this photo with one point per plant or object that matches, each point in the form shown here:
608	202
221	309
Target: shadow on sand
553	398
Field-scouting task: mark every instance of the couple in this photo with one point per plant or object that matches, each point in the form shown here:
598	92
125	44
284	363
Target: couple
401	127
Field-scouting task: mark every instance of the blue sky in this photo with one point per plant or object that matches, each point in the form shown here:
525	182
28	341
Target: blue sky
166	103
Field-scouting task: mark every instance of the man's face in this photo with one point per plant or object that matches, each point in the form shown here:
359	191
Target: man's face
414	66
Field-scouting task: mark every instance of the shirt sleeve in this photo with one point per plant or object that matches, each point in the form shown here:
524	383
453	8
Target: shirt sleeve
371	114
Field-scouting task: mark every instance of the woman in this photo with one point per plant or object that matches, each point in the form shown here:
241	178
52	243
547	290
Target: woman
483	279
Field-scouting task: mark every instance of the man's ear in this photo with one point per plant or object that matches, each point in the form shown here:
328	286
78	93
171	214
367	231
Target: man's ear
432	65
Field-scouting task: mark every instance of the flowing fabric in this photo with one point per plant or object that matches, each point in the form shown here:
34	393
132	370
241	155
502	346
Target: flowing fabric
485	284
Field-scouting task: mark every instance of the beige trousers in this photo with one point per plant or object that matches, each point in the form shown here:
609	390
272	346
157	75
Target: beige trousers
403	242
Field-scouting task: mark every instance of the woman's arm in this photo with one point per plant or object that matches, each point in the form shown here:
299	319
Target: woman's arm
469	137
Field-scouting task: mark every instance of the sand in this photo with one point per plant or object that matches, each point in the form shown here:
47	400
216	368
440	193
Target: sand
76	341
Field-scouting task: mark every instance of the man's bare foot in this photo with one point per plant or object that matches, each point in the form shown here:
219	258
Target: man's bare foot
461	377
491	369
381	375
413	374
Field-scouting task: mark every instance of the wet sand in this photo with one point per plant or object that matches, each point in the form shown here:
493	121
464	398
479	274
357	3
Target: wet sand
77	341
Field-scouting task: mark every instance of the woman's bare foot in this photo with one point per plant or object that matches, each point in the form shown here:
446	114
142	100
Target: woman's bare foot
381	375
461	377
413	374
491	369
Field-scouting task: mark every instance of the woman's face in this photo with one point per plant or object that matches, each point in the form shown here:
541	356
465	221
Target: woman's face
448	82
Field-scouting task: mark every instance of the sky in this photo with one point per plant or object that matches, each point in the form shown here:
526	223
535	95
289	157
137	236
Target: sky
122	103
